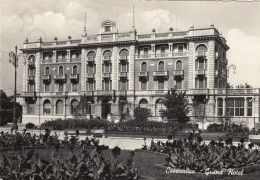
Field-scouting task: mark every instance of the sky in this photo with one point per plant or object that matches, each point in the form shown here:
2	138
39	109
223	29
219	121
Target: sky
239	23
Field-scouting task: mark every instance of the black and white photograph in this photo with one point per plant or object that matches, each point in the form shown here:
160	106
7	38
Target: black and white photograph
129	90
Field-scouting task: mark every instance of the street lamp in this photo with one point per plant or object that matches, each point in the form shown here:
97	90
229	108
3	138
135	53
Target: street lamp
14	61
227	76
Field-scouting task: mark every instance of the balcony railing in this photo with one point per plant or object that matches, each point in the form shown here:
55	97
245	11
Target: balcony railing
123	57
90	75
200	91
46	77
180	54
123	74
31	63
161	55
143	56
216	55
60	77
61	60
121	92
104	93
31	78
216	73
106	58
178	72
91	59
201	72
160	73
143	74
106	75
28	94
47	61
200	53
74	76
75	59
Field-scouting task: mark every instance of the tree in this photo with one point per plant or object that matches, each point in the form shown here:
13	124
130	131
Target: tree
176	106
142	114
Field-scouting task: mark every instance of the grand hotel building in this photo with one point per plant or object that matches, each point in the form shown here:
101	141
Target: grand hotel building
120	71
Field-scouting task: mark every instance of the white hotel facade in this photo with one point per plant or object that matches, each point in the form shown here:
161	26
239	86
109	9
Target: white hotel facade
120	71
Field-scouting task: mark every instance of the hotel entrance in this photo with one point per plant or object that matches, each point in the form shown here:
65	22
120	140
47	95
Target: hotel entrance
106	108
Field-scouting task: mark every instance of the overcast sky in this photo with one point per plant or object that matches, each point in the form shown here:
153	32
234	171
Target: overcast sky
239	22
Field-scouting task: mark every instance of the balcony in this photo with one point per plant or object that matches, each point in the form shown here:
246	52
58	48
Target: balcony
178	73
180	54
31	78
201	72
90	75
107	75
121	93
46	77
75	59
161	55
46	61
91	59
160	73
106	58
104	93
200	53
123	57
28	94
31	63
60	77
61	60
200	91
143	74
142	56
74	77
123	74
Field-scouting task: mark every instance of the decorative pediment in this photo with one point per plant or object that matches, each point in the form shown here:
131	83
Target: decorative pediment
108	23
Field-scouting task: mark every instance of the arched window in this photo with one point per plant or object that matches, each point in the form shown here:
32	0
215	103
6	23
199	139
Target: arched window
47	107
31	59
75	70
161	66
143	103
74	105
47	71
178	65
201	48
159	106
144	67
107	55
60	70
59	107
91	56
124	52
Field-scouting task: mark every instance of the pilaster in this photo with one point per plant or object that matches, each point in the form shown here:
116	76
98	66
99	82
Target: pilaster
98	69
115	68
83	69
37	73
191	77
131	63
211	63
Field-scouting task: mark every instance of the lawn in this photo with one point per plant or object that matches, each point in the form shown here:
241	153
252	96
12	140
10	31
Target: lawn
148	164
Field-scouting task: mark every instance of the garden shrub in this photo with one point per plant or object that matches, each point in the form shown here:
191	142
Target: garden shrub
30	125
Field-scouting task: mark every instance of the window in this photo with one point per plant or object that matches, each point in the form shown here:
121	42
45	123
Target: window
143	84
180	49
161	83
90	85
60	87
106	67
90	68
144	67
178	65
235	107
123	66
161	66
60	70
47	71
31	71
59	107
30	87
123	84
220	107
74	105
47	107
106	84
107	28
107	54
178	83
143	103
249	106
201	48
159	106
47	87
74	87
201	82
75	70
146	50
163	50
